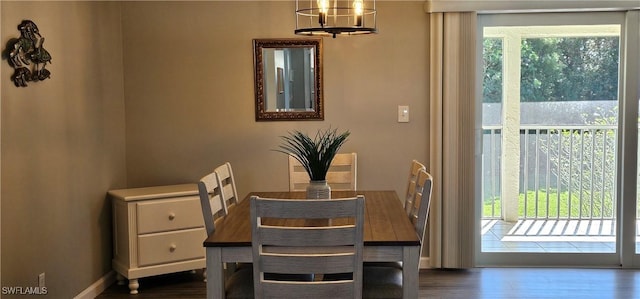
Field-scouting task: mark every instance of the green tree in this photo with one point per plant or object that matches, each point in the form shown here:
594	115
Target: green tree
541	69
492	70
591	69
556	69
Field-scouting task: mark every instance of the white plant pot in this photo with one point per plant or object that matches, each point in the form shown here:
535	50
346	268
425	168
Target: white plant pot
318	190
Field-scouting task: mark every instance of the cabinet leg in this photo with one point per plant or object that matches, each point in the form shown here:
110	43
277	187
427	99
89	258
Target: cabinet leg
120	279
133	286
204	274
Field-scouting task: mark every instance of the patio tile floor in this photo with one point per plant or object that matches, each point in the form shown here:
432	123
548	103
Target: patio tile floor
592	236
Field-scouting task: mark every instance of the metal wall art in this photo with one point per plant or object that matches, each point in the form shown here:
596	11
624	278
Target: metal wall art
27	55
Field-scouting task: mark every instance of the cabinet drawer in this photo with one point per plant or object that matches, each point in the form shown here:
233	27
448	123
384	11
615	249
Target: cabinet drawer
169	214
171	246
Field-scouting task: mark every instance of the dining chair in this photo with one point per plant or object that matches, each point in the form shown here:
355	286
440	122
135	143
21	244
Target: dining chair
420	210
214	209
342	174
321	236
411	185
384	280
228	184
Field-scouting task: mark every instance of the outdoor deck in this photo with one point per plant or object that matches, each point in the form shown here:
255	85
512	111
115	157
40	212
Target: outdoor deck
549	236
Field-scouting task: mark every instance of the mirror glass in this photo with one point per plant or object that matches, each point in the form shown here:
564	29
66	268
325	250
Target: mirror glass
288	79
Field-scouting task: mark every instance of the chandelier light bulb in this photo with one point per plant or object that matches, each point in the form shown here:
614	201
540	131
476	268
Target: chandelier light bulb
323	9
358	10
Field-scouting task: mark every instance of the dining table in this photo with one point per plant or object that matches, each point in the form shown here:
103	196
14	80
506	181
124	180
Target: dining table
389	236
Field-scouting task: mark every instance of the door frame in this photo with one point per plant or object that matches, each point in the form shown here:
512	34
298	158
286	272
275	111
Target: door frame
627	142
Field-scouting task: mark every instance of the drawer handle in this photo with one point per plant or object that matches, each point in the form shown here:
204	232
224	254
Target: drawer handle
173	247
172	216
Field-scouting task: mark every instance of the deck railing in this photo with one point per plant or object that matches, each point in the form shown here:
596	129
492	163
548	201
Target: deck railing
566	172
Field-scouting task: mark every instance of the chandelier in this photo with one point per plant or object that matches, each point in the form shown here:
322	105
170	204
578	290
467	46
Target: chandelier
335	17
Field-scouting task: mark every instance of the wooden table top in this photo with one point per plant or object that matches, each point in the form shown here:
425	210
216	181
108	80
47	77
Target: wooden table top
386	223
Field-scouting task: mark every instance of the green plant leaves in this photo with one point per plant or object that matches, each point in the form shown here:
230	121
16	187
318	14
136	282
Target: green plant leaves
315	154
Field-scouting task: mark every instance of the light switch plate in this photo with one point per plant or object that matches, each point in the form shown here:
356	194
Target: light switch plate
403	114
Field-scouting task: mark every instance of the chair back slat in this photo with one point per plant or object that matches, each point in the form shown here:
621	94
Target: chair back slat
411	185
228	184
307	209
336	263
310	236
341	176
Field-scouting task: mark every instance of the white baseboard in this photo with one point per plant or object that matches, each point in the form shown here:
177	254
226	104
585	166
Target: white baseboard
98	287
424	263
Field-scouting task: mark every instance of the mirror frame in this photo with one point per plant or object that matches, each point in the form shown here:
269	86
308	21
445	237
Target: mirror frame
258	66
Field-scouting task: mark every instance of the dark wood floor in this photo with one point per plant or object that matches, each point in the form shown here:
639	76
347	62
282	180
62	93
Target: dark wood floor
494	283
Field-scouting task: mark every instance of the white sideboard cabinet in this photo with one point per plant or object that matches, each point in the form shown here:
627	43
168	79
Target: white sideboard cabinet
156	230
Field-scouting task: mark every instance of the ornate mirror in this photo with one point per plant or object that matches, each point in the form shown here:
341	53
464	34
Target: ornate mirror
288	79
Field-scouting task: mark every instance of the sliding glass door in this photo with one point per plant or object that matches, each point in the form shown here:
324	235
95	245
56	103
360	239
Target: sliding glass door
553	104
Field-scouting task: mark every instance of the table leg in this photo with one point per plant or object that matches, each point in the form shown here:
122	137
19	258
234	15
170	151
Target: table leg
215	273
410	271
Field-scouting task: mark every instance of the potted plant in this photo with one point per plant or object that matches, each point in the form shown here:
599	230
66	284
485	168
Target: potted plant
315	155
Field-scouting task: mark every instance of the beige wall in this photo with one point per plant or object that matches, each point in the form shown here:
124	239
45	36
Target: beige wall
190	98
180	75
62	148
